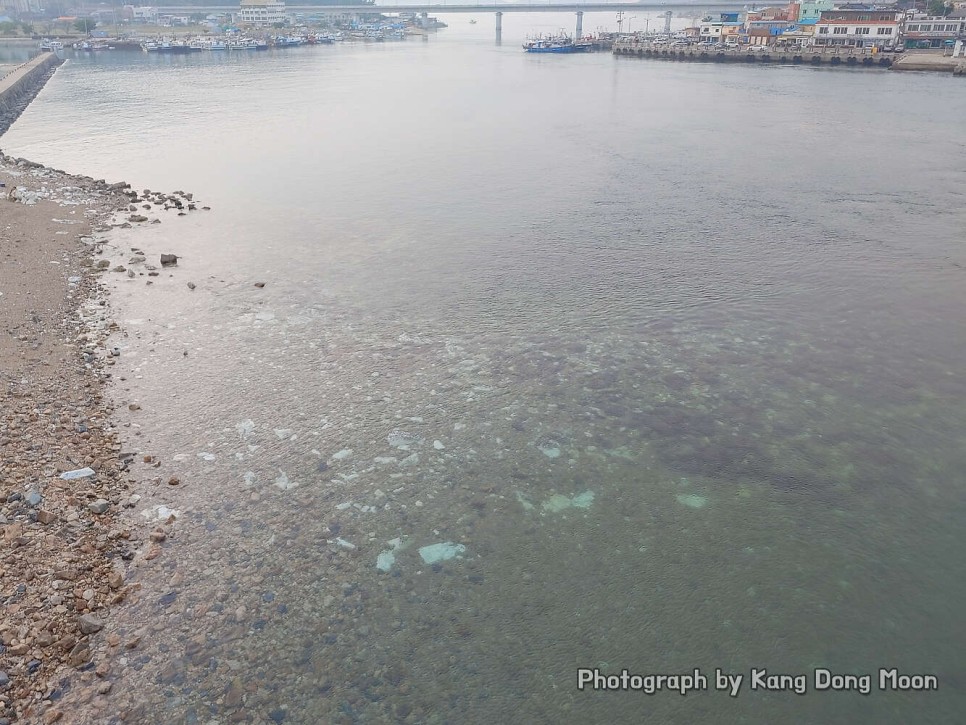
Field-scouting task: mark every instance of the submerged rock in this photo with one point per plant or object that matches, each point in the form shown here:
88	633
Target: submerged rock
559	502
440	552
402	439
692	500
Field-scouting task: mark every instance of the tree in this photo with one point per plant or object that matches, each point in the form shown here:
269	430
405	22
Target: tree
81	25
26	28
939	7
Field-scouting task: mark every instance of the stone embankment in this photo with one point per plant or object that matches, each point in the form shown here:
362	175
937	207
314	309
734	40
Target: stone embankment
19	86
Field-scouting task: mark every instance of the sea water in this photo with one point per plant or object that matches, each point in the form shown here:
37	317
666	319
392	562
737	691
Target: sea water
559	363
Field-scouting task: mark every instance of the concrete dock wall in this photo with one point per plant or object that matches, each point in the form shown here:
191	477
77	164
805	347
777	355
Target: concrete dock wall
19	86
843	57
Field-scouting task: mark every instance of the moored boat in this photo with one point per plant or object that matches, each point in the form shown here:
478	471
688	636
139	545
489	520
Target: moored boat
556	44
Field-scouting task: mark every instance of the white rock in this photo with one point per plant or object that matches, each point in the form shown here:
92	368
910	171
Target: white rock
78	473
440	552
283	482
245	428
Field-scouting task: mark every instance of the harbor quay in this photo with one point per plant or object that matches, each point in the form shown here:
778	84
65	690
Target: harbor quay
832	56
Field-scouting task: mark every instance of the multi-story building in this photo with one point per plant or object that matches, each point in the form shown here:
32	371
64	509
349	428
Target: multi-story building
139	14
809	11
932	32
726	28
262	12
863	28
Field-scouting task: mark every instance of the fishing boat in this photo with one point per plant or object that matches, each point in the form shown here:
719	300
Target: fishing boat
287	41
472	21
168	47
51	45
556	44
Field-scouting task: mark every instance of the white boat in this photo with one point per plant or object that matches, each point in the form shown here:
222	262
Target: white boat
51	45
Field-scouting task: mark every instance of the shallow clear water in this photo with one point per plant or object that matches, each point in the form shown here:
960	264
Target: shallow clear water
674	351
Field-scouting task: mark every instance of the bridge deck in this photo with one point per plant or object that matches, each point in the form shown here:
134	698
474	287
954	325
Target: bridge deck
438	8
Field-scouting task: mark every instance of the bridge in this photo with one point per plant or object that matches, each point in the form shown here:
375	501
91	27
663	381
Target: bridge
549	7
666	8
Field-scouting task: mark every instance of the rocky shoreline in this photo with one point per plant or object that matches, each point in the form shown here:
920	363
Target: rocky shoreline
64	477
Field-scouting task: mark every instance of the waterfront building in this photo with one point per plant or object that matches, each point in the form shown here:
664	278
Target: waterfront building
772	28
809	11
726	29
795	38
932	31
856	28
262	12
759	36
709	31
139	14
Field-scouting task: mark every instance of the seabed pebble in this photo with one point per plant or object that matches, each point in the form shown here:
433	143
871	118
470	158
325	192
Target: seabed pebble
440	552
692	500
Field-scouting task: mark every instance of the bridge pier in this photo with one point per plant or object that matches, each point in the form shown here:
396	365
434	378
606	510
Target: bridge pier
499	27
580	25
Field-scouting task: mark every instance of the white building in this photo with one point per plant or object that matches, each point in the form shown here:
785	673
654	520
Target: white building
923	31
262	12
710	32
858	28
144	14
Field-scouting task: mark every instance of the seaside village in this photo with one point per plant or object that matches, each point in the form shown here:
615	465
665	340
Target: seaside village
255	25
258	24
825	23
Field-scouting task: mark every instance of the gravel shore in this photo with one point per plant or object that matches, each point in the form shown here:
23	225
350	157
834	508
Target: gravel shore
64	547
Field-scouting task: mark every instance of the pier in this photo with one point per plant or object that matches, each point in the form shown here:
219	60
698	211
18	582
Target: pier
829	56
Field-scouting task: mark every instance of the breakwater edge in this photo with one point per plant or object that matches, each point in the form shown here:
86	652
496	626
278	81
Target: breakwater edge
19	86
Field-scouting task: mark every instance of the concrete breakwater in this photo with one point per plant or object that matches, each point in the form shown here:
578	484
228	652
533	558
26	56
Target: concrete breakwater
844	57
19	87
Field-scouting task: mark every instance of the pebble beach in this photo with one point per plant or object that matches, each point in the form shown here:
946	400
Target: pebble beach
63	473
